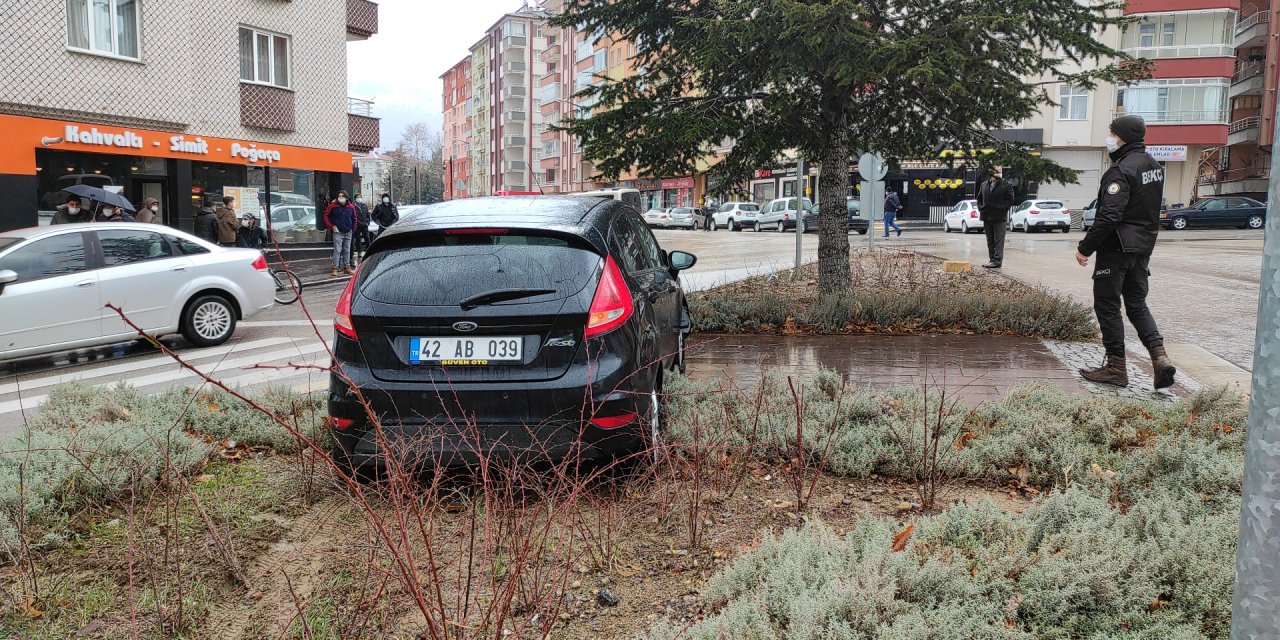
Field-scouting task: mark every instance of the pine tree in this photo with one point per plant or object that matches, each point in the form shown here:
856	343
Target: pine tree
905	78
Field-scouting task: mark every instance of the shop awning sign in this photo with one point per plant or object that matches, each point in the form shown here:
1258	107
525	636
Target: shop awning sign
1168	152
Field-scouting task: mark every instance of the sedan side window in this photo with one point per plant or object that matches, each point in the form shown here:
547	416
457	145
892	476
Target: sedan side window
1238	203
56	256
126	246
187	247
1215	205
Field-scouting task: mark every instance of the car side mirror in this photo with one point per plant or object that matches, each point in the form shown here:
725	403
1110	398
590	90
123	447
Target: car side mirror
7	276
681	260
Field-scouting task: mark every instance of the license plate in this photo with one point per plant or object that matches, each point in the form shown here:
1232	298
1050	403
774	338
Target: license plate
466	352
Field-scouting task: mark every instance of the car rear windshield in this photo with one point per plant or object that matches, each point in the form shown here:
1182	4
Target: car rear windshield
1048	205
682	210
439	269
749	207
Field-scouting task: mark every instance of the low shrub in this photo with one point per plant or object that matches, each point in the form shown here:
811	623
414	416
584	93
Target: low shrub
893	292
87	444
1071	567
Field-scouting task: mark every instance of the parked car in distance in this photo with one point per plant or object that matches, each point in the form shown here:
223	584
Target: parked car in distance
736	216
509	326
293	218
963	218
780	215
56	283
1218	211
683	218
1087	215
856	221
1040	215
658	217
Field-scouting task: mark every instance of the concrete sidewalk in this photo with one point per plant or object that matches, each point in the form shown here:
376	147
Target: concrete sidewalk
974	369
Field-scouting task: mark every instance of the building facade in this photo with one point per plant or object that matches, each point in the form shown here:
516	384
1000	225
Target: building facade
373	171
1243	165
114	94
458	109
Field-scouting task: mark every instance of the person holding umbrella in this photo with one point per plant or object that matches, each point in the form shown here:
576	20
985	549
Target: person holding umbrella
114	207
112	213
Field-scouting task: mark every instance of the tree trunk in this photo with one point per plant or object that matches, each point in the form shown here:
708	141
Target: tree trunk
833	214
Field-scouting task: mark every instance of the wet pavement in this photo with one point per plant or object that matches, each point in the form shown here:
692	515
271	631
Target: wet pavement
974	369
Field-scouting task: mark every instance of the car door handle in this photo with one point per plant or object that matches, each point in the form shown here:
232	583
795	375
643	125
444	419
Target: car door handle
85	283
182	267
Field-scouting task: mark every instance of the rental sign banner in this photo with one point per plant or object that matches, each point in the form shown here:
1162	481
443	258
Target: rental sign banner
24	135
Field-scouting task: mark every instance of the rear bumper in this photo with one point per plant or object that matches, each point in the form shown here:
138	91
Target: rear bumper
427	425
1049	224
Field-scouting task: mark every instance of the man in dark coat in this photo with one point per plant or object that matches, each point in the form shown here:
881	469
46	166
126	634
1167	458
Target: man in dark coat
1123	236
360	236
71	212
995	199
206	226
385	214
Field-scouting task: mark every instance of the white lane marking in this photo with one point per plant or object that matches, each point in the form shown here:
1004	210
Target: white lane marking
173	376
324	324
136	365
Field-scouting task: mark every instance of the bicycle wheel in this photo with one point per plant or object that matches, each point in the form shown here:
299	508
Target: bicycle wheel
288	286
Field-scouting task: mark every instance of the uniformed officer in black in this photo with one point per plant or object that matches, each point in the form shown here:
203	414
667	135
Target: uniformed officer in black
1123	236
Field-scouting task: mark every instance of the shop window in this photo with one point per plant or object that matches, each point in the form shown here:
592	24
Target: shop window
107	27
57	256
126	246
264	57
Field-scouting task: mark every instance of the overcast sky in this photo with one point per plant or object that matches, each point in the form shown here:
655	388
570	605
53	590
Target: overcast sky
399	68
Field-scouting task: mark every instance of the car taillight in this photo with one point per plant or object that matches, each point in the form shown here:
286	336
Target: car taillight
614	422
612	305
342	423
1034	211
1066	212
260	264
973	214
342	315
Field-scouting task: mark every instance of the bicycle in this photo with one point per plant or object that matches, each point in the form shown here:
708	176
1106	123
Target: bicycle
288	286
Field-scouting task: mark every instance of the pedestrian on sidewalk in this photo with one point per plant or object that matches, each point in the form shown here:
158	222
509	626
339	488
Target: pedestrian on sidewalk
360	237
892	205
206	226
71	212
227	222
112	213
340	218
995	199
385	214
1123	236
147	214
250	235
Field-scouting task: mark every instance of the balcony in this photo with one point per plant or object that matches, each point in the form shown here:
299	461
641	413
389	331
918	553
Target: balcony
363	130
362	19
514	92
1244	180
514	42
265	107
1244	131
514	141
514	166
1247	80
1252	30
514	66
509	117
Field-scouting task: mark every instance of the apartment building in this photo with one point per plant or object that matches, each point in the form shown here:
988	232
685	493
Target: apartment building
1243	165
181	102
458	109
479	152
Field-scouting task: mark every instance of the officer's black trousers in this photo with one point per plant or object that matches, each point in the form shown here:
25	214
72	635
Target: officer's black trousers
1121	279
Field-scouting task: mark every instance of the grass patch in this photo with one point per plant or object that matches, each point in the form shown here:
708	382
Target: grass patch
893	292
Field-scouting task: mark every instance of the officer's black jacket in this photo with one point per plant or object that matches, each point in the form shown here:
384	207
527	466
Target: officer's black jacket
1128	214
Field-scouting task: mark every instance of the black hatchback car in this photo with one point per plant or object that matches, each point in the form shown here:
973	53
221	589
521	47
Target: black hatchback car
508	326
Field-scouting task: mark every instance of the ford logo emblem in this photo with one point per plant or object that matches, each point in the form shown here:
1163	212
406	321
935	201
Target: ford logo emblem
464	326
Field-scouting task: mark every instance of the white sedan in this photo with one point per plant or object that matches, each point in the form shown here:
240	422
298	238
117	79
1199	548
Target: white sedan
1040	215
963	218
56	283
658	217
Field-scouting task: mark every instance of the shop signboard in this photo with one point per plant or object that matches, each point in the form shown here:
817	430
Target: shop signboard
1168	152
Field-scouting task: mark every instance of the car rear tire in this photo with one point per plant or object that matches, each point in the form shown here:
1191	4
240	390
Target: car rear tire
964	228
1179	223
1066	229
209	320
862	232
782	228
733	226
1256	221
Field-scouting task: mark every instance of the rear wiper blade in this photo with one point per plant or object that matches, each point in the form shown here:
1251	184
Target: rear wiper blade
500	295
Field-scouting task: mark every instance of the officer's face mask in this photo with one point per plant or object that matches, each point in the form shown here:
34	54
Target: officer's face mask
1113	143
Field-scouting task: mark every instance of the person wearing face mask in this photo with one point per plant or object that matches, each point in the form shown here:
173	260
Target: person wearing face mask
148	212
340	218
1123	237
71	212
360	236
227	222
250	235
385	214
995	198
110	213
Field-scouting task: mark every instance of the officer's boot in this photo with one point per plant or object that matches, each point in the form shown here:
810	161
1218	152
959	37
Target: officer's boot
1111	372
1163	368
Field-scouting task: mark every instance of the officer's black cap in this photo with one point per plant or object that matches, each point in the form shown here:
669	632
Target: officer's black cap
1130	129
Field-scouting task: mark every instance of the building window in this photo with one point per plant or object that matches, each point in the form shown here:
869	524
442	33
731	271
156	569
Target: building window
513	28
1073	103
1147	35
103	26
1175	101
264	57
551	176
1167	34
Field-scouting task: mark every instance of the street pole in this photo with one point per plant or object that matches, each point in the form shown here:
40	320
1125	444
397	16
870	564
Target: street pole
1257	588
802	181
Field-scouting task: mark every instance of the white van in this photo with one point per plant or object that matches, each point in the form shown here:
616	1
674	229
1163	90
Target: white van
628	196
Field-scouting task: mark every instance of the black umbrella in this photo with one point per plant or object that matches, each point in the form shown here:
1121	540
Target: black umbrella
101	195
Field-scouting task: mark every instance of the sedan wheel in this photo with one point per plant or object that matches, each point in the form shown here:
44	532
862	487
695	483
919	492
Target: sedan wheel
964	228
1256	221
209	321
946	226
1180	223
